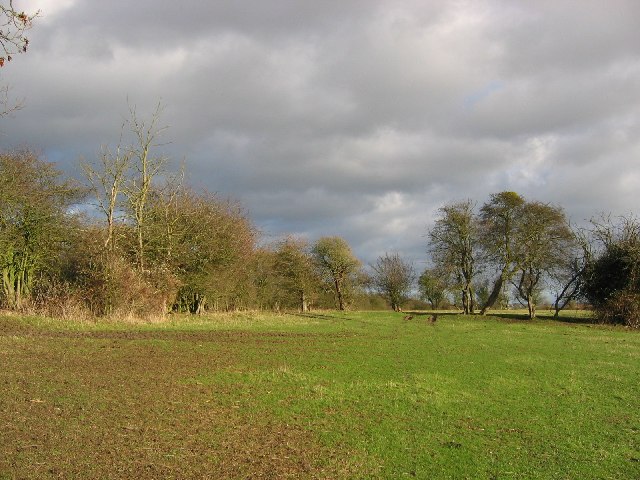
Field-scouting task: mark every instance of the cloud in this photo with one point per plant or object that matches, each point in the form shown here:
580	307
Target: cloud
354	118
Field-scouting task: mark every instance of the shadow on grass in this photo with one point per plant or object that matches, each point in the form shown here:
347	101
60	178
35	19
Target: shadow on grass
429	313
580	317
320	316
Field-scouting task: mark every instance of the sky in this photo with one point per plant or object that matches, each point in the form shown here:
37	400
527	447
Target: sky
356	118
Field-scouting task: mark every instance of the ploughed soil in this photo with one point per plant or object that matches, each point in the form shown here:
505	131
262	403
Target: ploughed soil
127	404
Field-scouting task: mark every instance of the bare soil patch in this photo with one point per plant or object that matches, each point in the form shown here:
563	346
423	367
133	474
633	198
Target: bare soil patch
104	404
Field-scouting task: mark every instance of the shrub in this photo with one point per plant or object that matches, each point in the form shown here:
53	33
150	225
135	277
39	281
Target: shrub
612	280
623	308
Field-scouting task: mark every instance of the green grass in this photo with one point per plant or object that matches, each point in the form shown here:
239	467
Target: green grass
328	395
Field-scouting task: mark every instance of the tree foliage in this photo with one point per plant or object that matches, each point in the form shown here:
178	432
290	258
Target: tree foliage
501	225
182	250
206	242
524	242
545	240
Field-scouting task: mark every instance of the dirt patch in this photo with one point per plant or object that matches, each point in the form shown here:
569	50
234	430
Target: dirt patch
99	405
11	327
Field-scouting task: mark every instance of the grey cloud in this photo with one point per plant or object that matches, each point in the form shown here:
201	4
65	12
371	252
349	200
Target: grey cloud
570	35
352	118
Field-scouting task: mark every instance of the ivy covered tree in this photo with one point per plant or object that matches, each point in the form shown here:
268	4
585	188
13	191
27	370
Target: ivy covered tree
34	221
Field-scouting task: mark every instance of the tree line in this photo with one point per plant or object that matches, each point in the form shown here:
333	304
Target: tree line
152	245
133	239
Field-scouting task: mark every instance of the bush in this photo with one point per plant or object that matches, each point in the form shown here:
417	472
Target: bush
612	280
56	298
108	283
116	288
623	308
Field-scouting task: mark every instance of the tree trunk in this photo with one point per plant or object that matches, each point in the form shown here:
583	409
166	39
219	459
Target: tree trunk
493	297
559	305
140	249
198	304
532	307
464	301
109	241
341	305
16	284
304	305
563	299
468	305
8	287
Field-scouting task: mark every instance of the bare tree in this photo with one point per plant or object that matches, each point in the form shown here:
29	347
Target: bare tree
8	106
393	278
336	260
147	167
453	245
566	278
545	241
107	177
294	267
13	27
501	225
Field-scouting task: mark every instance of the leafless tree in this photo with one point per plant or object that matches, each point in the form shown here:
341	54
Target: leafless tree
146	166
13	40
393	277
453	245
501	225
107	177
545	242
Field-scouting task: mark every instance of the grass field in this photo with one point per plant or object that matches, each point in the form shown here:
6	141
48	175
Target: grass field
327	395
